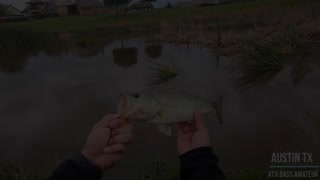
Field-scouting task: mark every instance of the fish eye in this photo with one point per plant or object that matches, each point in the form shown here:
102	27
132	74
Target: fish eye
136	95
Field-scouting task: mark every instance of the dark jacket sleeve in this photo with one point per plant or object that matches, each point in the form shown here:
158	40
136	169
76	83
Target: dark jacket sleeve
77	168
200	163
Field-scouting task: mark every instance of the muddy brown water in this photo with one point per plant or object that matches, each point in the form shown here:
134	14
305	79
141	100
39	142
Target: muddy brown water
50	101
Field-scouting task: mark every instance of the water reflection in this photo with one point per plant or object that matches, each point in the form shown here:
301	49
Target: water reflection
88	45
217	62
17	46
56	50
302	66
153	51
299	71
83	49
125	57
12	64
255	73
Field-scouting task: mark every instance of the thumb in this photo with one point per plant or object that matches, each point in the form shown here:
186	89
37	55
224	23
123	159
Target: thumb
106	119
198	119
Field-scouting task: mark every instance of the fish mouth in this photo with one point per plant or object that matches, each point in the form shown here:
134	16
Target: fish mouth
130	108
126	106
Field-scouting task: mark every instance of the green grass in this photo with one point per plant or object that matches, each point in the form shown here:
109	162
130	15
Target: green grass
262	57
220	26
155	169
15	171
18	38
17	45
163	72
153	39
246	174
256	74
231	13
158	170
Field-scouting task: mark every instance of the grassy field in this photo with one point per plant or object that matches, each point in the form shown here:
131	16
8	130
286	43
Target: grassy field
231	15
221	27
150	170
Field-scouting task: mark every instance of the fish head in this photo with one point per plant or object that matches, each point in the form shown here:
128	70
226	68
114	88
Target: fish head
138	106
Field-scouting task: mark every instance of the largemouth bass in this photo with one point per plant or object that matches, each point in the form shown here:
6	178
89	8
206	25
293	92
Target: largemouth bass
163	109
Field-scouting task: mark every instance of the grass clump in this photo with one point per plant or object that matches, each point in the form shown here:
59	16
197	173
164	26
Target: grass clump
250	174
158	170
14	38
153	45
264	57
246	174
154	38
13	171
163	72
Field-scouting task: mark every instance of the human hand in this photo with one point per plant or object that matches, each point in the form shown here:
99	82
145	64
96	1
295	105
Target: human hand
108	141
192	135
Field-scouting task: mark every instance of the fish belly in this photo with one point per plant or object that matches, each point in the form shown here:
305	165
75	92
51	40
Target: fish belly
174	115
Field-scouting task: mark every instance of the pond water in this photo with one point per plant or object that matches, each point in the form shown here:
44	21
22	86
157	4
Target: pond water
50	100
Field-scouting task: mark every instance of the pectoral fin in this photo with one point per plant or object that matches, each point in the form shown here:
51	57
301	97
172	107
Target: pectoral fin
166	129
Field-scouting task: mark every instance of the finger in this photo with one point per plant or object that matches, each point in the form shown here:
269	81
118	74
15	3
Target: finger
198	120
186	127
115	158
116	148
121	139
123	130
118	123
179	128
193	126
104	122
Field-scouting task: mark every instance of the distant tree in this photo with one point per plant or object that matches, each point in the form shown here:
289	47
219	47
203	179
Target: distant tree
116	3
168	6
149	1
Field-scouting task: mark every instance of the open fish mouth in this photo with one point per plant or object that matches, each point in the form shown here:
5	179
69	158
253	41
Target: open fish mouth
130	108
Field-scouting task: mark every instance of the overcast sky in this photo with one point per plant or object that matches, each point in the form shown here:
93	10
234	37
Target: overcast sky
20	4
